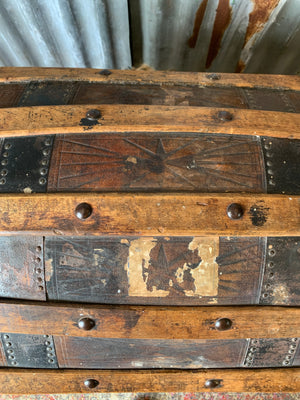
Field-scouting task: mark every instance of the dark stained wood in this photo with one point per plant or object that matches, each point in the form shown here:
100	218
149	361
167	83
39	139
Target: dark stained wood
72	381
27	121
150	214
155	270
22	268
272	100
10	94
16	75
157	162
75	352
149	322
174	95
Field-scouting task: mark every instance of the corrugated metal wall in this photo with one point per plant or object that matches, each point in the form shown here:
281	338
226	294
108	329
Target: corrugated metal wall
256	36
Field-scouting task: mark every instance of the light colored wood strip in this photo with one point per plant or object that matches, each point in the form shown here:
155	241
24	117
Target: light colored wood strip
285	82
20	381
150	214
25	121
128	322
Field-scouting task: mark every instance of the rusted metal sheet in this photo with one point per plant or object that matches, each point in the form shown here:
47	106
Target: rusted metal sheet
22	268
216	35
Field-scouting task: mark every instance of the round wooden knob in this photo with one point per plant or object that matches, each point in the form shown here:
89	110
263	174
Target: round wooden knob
91	383
83	210
235	211
86	324
223	324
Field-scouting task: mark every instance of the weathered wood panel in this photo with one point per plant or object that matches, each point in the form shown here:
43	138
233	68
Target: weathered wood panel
155	270
22	268
149	322
17	75
96	353
71	119
10	94
150	214
157	162
71	381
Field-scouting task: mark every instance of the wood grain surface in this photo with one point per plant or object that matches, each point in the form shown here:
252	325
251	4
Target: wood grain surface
14	74
21	381
152	162
150	322
150	214
158	270
139	118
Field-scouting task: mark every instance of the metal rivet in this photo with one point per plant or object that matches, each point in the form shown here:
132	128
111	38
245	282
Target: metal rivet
83	210
2	181
49	349
5	154
270	264
269	163
8	344
46	152
51	361
271	182
91	383
272	252
7	146
43	171
41	288
294	339
235	211
38	259
253	349
285	362
93	114
38	248
10	351
212	383
40	280
271	275
223	324
293	346
47	142
265	295
213	77
225	116
4	162
86	324
3	172
11	357
42	181
38	270
47	343
6	337
14	363
105	72
44	161
270	172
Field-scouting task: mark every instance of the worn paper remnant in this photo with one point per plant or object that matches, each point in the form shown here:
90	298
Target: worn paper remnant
206	274
151	273
137	263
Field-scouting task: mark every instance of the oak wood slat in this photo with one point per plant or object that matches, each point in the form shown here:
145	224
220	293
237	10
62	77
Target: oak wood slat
71	119
13	381
140	77
150	214
150	322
